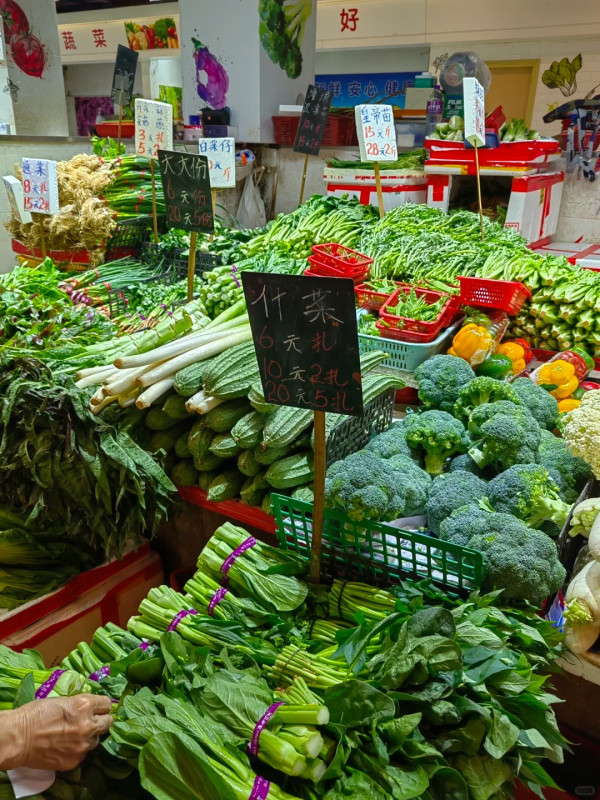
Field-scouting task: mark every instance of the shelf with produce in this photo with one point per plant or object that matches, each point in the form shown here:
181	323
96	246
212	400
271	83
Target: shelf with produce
233	509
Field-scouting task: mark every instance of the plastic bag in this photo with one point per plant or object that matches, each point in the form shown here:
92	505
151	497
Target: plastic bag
251	210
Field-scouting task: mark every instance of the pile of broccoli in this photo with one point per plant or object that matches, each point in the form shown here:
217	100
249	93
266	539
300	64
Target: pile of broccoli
435	435
440	380
281	31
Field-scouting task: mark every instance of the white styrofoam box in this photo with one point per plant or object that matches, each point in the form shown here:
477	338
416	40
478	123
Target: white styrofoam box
534	206
397	188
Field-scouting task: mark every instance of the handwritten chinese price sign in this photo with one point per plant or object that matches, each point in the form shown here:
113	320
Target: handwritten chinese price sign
153	127
186	184
376	133
124	76
306	341
14	191
221	161
474	112
312	121
40	186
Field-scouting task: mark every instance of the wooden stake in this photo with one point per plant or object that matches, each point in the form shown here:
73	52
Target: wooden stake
379	191
214	208
303	185
319	492
191	265
42	237
120	125
479	190
154	217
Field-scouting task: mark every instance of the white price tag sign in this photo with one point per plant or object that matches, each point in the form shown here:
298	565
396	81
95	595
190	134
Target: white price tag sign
14	190
376	133
40	186
153	127
474	112
221	161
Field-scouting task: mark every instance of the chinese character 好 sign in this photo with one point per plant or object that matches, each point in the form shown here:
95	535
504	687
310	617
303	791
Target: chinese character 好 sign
221	161
474	112
312	121
376	133
306	341
186	184
40	186
153	127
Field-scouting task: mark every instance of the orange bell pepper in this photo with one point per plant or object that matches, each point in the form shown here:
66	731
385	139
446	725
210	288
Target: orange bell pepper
516	353
473	343
560	375
568	404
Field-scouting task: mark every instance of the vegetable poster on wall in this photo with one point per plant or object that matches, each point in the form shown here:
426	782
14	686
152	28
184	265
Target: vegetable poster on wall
281	28
156	36
28	52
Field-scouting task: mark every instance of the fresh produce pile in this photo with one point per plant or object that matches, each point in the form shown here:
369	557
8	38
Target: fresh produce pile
481	461
406	161
514	131
392	694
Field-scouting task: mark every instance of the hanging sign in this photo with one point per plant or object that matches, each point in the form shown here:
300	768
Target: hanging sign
14	191
220	154
376	133
153	127
40	185
124	76
306	341
474	95
313	120
186	185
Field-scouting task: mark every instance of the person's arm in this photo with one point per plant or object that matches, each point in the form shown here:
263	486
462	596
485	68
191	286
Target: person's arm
53	734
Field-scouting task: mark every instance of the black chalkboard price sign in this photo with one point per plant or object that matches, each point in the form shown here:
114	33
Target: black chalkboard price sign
306	341
312	121
186	184
124	75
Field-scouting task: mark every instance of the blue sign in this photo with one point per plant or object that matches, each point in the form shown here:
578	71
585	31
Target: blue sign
379	87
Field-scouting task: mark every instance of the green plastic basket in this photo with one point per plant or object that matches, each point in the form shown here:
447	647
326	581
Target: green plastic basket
375	552
406	355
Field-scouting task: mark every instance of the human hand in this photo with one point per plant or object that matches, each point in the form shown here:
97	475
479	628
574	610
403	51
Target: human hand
55	733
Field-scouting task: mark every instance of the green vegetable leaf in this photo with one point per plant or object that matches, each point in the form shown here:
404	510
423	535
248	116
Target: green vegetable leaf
355	703
501	736
483	775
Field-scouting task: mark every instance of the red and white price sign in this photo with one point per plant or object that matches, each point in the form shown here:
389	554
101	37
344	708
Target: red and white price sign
153	127
221	161
40	186
474	112
376	133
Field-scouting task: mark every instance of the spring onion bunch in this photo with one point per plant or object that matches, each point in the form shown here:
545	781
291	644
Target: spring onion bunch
130	192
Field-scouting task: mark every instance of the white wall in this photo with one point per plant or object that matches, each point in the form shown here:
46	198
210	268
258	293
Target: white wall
382	59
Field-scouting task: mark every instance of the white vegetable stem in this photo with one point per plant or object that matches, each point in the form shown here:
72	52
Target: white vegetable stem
124	380
154	393
97	377
201	404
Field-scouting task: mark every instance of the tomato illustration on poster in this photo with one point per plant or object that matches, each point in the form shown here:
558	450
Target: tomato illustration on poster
28	52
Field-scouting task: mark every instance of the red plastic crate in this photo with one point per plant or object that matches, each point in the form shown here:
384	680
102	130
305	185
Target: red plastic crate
339	257
406	325
338	131
325	271
369	298
506	296
406	336
315	272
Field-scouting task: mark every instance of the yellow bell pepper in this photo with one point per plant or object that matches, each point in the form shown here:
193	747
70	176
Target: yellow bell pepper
568	404
473	343
560	374
516	353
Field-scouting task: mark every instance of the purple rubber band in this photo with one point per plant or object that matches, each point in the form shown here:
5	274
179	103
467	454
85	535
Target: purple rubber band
143	646
260	726
103	672
231	559
47	687
215	600
260	790
178	617
234	276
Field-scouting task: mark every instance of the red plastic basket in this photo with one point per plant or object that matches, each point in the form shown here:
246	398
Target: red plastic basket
315	272
338	131
327	271
406	325
406	336
506	296
369	298
339	257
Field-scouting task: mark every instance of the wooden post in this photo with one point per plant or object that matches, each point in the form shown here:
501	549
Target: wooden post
42	236
120	125
214	208
479	190
191	265
319	492
154	218
379	191
303	185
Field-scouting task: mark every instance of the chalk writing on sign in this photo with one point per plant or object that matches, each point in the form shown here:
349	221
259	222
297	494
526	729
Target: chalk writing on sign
313	121
40	186
186	185
376	133
124	76
221	161
153	127
306	341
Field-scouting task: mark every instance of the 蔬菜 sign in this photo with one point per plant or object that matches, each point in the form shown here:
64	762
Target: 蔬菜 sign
376	133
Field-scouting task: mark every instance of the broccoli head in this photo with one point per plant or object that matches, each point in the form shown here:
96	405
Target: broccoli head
464	523
522	562
364	487
414	482
528	492
464	463
449	492
481	414
505	440
436	435
542	405
391	442
555	455
440	379
480	391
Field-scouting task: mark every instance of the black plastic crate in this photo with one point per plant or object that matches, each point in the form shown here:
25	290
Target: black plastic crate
204	263
129	235
355	432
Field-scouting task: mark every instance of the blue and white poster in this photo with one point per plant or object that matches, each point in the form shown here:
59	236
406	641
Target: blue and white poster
379	87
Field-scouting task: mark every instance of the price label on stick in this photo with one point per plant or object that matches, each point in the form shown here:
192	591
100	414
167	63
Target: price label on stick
306	341
124	76
376	133
40	186
474	95
186	185
312	121
153	127
221	161
14	191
